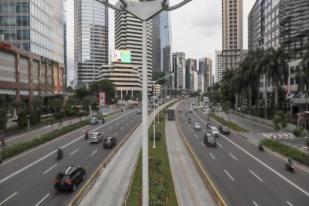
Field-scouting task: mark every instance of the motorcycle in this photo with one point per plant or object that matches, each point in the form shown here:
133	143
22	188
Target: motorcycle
290	167
261	147
59	155
189	120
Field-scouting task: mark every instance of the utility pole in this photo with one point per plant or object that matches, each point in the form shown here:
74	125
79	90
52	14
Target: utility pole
144	11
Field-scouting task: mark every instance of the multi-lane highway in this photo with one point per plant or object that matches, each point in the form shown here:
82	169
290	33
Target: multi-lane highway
28	178
244	175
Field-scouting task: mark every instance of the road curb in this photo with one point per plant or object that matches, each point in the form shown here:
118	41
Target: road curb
90	182
208	182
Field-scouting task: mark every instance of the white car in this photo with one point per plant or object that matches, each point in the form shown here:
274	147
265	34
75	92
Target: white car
214	131
197	126
95	137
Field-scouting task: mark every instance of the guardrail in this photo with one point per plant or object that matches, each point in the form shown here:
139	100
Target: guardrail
90	182
207	180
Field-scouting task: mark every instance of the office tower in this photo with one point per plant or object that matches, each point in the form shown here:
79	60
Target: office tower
218	73
91	40
205	68
191	67
264	25
65	42
161	43
128	36
36	26
179	69
232	33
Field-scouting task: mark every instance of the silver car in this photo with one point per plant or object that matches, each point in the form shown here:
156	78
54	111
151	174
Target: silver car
214	131
95	137
197	126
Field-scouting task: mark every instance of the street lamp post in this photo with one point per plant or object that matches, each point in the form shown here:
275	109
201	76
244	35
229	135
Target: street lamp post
144	11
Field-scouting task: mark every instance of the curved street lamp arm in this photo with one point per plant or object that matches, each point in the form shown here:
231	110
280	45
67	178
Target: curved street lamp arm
164	3
177	5
106	3
125	4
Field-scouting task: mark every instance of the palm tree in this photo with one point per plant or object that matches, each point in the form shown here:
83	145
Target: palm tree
276	70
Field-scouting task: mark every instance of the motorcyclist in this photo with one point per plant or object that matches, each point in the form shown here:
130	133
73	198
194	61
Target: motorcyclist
59	153
86	134
261	147
103	121
290	160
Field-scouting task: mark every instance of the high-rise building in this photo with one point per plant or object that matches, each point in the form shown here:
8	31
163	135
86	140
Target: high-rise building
179	69
128	36
232	33
35	26
191	67
91	40
65	42
264	25
205	67
219	68
161	43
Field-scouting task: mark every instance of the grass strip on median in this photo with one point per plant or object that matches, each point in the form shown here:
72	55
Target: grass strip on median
229	124
17	148
287	150
161	190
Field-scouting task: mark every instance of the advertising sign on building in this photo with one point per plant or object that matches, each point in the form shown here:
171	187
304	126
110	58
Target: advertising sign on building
102	99
121	56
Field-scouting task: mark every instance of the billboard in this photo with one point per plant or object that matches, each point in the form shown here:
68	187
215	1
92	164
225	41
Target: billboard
121	56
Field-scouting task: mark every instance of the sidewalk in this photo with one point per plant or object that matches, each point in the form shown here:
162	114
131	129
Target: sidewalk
189	186
112	185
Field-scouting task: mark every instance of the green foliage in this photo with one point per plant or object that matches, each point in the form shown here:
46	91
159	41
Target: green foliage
3	118
81	93
298	132
103	86
59	115
89	101
280	121
287	150
23	146
307	142
35	117
55	105
22	119
159	75
231	125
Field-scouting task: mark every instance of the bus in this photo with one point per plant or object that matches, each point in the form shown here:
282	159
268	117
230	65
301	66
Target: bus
171	113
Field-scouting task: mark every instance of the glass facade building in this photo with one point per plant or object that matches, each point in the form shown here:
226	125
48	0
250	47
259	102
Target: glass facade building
34	25
161	43
91	40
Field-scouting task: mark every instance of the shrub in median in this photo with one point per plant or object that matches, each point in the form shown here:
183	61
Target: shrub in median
287	150
23	146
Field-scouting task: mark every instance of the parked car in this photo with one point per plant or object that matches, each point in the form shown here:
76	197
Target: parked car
70	178
93	121
95	137
197	126
109	142
224	130
214	131
209	140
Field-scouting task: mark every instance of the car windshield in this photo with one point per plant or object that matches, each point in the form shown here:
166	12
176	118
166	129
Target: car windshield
94	135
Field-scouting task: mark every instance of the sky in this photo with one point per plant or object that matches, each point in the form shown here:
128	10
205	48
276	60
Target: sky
195	29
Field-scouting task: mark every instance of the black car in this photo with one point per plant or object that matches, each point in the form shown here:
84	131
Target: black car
69	179
224	130
109	142
209	140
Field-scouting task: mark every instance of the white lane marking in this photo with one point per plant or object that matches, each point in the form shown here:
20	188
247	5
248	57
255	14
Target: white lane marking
255	204
42	200
7	199
233	156
229	175
212	156
95	151
220	145
46	156
261	180
290	204
196	136
76	150
265	165
55	165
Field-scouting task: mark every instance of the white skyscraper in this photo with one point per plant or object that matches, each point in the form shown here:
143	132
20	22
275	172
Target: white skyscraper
91	39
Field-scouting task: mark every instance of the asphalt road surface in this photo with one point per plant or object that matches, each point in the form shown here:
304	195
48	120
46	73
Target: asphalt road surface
244	175
28	178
